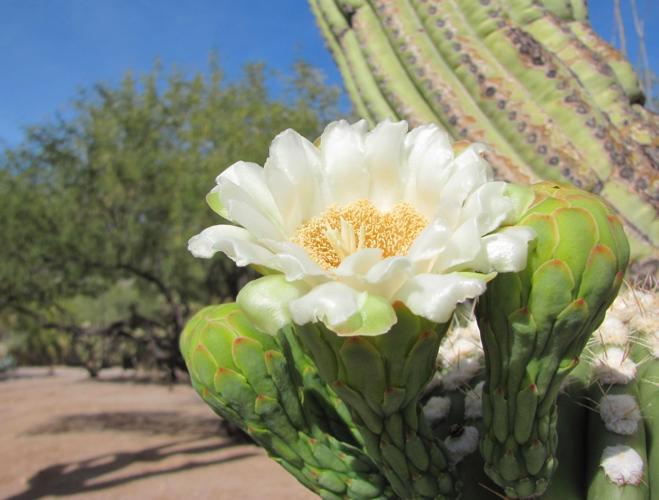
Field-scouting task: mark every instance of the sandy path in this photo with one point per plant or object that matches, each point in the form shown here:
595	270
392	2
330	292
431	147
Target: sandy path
67	436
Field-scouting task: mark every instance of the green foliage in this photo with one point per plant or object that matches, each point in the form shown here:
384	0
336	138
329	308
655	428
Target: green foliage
112	194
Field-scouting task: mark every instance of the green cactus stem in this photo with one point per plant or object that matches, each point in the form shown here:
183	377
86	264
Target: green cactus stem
248	378
380	380
619	446
534	325
529	78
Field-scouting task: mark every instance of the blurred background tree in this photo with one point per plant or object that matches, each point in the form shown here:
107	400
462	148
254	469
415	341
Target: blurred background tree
98	207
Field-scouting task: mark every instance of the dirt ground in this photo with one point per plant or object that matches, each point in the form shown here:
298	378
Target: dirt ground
64	435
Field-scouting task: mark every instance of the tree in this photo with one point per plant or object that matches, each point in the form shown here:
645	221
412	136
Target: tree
113	193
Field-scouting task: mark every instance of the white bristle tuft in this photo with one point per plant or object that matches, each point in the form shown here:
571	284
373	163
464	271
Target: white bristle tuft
463	443
612	331
622	465
437	408
474	402
620	413
613	366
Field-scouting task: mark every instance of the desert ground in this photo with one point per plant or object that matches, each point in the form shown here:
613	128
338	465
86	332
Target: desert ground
64	435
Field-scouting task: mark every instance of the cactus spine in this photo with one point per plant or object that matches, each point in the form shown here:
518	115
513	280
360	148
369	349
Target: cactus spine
528	77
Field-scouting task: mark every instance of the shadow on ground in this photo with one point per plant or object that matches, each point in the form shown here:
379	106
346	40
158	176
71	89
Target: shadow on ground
86	476
143	422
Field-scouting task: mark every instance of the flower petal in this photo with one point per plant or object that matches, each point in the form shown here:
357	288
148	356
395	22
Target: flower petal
488	205
344	310
504	251
383	157
293	175
235	242
388	275
248	215
429	244
462	246
250	178
265	301
469	171
435	297
342	150
292	260
334	304
428	155
359	263
242	196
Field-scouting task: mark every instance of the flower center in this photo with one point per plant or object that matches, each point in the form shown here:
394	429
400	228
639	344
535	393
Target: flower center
341	231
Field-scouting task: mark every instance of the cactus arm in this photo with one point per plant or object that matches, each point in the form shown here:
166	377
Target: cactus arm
509	73
599	438
508	101
589	136
245	376
529	63
431	62
380	379
344	66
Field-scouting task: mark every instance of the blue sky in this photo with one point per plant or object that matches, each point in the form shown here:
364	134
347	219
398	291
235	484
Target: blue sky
51	48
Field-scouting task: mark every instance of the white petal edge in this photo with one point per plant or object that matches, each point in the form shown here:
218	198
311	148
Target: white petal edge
435	296
236	242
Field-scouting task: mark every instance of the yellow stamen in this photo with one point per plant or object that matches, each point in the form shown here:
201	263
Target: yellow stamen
341	231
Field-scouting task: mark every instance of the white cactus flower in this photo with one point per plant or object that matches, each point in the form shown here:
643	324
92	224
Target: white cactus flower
364	220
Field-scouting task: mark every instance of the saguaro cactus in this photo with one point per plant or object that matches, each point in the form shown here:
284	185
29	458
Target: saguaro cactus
348	363
530	78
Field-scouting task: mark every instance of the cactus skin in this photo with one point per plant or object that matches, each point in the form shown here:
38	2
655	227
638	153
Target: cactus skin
528	77
534	325
649	402
248	378
380	380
